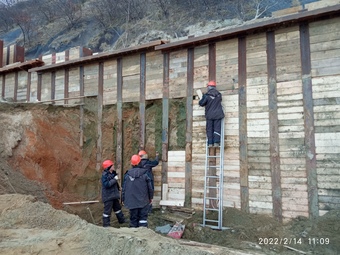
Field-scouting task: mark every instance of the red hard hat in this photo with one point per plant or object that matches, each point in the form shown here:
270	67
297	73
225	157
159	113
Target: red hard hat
141	153
107	163
135	159
211	83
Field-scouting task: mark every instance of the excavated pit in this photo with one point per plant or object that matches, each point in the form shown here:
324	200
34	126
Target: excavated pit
45	160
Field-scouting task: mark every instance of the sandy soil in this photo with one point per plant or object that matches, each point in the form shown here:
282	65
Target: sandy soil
29	226
40	158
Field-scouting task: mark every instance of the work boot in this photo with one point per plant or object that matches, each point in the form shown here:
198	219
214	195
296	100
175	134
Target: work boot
106	221
120	217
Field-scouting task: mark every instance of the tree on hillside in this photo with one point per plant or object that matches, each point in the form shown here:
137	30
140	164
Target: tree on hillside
70	10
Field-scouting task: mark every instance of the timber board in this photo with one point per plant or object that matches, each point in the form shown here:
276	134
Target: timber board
131	65
46	87
91	79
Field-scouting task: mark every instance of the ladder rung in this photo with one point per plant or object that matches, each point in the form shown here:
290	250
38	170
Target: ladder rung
212	176
212	198
211	209
213	156
211	220
213	187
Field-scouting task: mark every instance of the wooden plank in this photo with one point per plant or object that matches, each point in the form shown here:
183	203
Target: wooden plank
201	63
110	82
309	121
91	79
177	74
154	79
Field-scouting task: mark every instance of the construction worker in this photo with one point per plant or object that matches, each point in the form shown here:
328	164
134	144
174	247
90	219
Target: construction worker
111	194
137	193
212	101
149	164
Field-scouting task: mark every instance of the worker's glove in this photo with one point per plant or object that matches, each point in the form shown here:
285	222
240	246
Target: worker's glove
116	177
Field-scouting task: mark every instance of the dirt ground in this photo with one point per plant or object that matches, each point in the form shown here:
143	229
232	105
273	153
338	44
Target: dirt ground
243	231
28	226
51	169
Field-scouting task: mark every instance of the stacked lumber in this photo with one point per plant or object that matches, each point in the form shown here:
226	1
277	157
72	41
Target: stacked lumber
321	4
157	175
259	170
46	86
178	74
110	82
59	90
74	85
91	79
176	175
231	187
201	62
131	78
9	88
291	123
227	65
198	154
287	11
325	58
154	75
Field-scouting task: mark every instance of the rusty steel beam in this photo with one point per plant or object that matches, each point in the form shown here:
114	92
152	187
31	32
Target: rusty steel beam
15	87
212	61
28	92
1	53
274	127
19	54
242	97
53	58
142	100
66	84
165	118
119	150
39	86
307	91
3	85
81	81
189	127
100	114
53	77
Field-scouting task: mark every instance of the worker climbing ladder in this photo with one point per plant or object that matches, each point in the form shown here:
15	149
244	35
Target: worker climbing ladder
213	185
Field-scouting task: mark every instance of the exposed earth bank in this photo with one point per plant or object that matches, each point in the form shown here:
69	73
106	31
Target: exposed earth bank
43	165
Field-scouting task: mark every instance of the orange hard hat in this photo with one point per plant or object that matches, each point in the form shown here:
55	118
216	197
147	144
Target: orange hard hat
141	153
107	163
211	83
135	159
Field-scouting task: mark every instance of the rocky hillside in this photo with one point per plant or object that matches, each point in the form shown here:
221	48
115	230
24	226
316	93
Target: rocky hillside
45	26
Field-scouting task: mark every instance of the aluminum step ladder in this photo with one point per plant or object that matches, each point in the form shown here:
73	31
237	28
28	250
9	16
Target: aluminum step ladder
213	185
